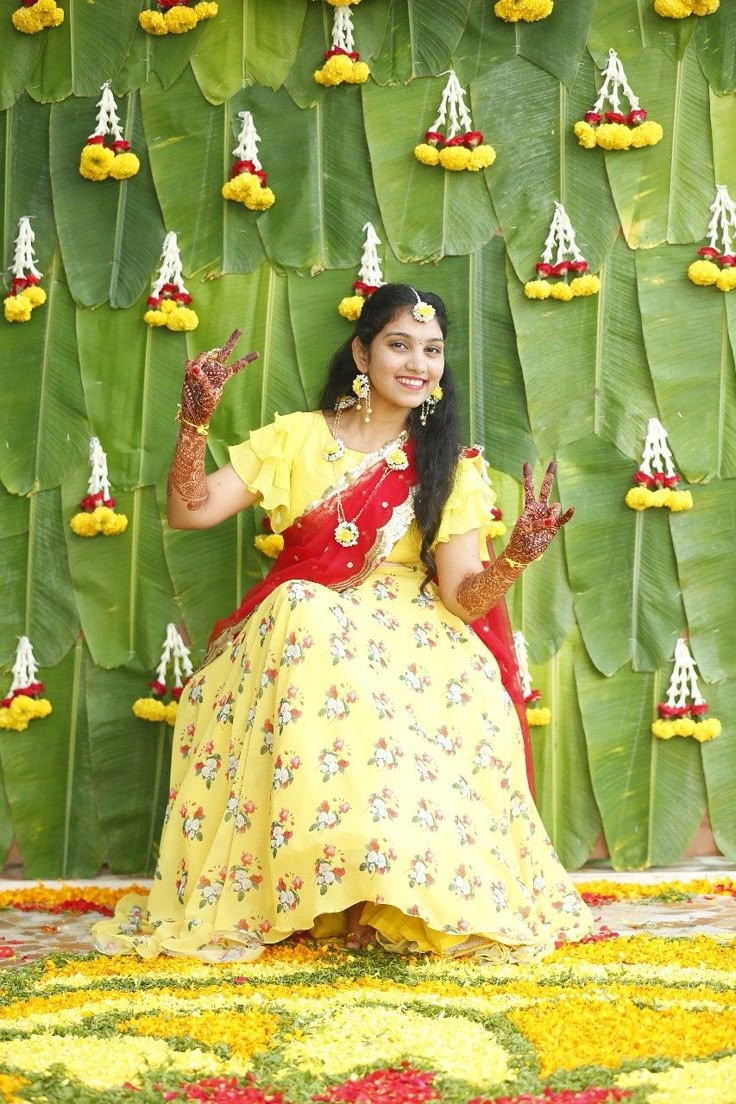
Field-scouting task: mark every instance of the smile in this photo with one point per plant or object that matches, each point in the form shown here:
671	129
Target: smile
412	382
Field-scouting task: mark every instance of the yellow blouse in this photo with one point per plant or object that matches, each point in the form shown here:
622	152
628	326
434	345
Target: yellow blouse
284	463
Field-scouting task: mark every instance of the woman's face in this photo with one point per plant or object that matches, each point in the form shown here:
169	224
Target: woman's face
404	361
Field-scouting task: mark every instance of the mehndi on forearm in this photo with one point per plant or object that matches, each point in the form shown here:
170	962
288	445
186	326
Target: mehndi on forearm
478	593
187	478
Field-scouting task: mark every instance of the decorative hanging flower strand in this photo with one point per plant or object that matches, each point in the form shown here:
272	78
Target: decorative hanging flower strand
24	701
341	60
612	129
525	11
370	276
656	479
24	294
681	9
247	183
99	161
721	248
37	15
679	716
154	708
176	16
169	299
561	257
97	508
460	147
536	716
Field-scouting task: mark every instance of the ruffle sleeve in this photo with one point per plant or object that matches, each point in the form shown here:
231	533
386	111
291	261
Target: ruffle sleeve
470	502
264	463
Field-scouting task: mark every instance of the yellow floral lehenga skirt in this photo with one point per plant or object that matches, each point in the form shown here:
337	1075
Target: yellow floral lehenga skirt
347	747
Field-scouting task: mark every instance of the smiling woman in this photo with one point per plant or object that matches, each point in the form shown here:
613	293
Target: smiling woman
349	758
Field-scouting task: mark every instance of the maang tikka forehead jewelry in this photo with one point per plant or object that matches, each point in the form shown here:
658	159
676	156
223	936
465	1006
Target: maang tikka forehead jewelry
423	312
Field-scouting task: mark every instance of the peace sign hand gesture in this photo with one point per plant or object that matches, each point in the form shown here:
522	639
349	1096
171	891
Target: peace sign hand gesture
204	379
538	522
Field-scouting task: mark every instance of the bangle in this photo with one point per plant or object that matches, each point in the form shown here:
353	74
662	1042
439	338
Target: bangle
202	430
516	564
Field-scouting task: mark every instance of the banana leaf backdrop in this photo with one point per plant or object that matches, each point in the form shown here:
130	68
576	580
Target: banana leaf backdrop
578	382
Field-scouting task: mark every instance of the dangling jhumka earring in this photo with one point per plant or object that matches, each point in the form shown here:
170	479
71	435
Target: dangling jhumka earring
362	388
429	404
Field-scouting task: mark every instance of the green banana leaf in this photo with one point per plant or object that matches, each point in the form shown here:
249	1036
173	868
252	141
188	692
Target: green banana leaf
167	56
719	766
14	523
715	42
561	761
48	780
658	191
486	41
723	129
130	764
557	43
420	39
6	826
686	328
628	26
24	150
249	41
110	231
50	619
19	54
73	63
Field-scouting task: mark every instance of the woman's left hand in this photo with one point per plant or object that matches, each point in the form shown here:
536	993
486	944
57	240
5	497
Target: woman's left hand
539	521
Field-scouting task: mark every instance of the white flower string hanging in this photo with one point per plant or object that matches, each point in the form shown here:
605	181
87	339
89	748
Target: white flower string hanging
656	480
24	701
97	508
717	267
536	716
370	276
342	64
459	147
524	11
683	711
98	160
37	15
681	9
176	16
614	129
176	653
247	183
561	257
169	299
24	294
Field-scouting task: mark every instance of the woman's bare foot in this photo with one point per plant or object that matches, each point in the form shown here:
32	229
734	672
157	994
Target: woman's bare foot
358	935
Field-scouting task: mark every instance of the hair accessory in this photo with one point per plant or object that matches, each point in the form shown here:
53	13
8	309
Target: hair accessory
423	312
427	408
362	388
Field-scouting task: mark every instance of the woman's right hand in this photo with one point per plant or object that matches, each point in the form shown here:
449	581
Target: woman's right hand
204	380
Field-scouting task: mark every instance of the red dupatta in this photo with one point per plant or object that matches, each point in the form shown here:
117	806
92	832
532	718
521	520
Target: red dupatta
381	498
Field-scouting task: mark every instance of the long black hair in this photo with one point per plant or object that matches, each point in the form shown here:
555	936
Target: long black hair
437	444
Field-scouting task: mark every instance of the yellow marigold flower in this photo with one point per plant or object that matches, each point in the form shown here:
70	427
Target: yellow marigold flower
613	136
207	9
179	20
154	318
585	134
359	73
168	306
537	289
84	524
663	730
428	155
726	279
149	709
646	134
527	10
638	498
481	157
45	13
335	70
125	165
182	320
679	500
350	307
496	529
703	273
10	1083
95	162
684	726
108	522
673	9
561	291
538	716
707	730
170	713
153	22
660	497
339	3
17	308
241	186
259	199
270	544
705	7
455	158
35	295
585	285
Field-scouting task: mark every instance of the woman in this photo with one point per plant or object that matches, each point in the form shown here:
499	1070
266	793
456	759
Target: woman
347	760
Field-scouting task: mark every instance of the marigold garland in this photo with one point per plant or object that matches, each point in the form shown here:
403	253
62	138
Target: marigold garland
717	266
684	709
561	259
154	708
342	64
655	483
247	183
461	147
615	129
37	15
176	16
681	9
526	11
97	508
25	294
370	276
24	701
169	299
99	161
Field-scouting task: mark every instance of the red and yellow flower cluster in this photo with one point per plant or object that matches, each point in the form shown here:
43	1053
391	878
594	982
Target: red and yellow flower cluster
25	294
464	151
612	130
176	16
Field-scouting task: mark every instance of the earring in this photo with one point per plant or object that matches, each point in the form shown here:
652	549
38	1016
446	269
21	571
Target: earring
362	388
430	403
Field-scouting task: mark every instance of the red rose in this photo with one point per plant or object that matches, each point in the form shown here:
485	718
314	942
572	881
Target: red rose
615	117
543	268
472	139
561	268
708	251
592	117
96	140
458	140
434	138
638	115
578	266
120	145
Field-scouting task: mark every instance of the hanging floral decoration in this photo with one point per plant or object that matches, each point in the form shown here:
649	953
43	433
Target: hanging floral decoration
681	9
155	707
717	267
37	15
97	508
460	147
524	11
24	294
342	65
176	16
561	258
98	160
247	183
656	480
496	527
683	713
536	716
24	701
370	276
269	543
169	299
614	129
